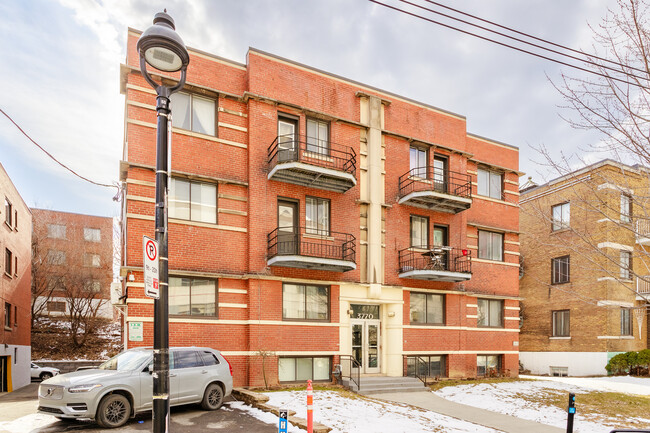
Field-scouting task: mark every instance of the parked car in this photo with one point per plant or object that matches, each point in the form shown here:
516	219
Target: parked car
123	386
43	373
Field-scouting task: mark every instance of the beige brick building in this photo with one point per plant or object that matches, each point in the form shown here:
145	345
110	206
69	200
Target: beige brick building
586	272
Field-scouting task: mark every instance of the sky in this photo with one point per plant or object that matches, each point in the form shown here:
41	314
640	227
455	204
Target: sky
61	59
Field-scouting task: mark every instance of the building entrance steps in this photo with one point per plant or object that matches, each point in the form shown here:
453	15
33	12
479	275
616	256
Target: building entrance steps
371	385
506	423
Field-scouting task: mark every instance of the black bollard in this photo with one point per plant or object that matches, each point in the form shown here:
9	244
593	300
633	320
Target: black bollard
571	413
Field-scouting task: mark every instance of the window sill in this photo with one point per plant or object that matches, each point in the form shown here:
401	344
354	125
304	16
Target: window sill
563	230
559	338
191	316
8	328
560	282
8	275
306	320
491	327
426	324
8	226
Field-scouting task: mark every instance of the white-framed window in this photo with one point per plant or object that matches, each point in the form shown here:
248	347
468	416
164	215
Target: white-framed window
92	235
192	297
490	183
91	260
419	231
305	302
626	321
304	368
561	216
195	201
418	161
56	257
317	216
318	137
626	208
561	323
488	365
490	313
490	245
56	231
561	269
93	286
194	113
626	265
427	308
8	212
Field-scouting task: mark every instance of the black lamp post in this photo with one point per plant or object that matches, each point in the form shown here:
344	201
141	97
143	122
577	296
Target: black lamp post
162	48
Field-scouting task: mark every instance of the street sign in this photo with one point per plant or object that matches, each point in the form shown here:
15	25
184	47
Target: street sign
150	258
282	426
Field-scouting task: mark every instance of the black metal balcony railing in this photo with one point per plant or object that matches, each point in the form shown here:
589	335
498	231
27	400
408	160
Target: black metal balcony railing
312	151
299	241
436	180
435	259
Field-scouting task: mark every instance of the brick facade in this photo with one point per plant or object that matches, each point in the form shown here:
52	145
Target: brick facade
237	250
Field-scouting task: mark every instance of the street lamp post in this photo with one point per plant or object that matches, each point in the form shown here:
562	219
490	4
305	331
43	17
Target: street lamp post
162	48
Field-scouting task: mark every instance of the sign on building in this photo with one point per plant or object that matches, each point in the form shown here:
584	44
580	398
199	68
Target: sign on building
150	258
135	331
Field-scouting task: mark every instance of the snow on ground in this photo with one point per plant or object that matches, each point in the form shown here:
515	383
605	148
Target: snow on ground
519	399
364	415
28	423
624	384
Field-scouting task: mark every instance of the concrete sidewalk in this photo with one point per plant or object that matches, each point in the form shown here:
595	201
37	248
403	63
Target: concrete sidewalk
506	423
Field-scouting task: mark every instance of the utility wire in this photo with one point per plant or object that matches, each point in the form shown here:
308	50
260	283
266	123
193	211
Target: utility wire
53	158
534	37
511	46
523	41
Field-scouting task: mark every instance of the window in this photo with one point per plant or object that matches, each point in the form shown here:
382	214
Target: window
192	297
8	262
318	137
305	302
15	266
209	358
56	307
186	359
490	183
419	231
427	308
15	315
8	212
16	220
490	245
626	208
561	323
418	162
490	313
194	113
193	201
561	269
433	366
626	265
488	365
56	257
92	260
561	214
92	235
317	215
302	369
56	231
7	315
93	286
56	283
626	321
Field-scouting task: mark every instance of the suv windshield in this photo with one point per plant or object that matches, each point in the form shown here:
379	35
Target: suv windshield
126	361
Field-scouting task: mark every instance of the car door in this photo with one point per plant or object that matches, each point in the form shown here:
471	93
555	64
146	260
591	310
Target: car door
190	375
145	401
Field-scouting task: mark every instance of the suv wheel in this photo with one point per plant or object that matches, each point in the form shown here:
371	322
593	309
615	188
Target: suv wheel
213	397
113	411
45	375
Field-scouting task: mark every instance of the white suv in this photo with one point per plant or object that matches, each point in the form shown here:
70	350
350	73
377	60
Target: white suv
123	385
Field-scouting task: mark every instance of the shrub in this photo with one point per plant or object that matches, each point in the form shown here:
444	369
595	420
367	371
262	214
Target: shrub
618	364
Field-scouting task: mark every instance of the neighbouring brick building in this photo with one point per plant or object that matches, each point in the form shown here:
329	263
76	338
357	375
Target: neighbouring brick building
15	283
314	219
585	284
72	262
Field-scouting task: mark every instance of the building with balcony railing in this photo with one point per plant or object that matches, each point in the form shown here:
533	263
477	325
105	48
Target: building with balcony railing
317	221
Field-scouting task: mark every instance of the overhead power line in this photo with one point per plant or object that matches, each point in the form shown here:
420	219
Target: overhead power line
53	158
589	71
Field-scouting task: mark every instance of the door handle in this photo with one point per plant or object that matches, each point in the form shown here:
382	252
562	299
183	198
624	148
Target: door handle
204	372
172	375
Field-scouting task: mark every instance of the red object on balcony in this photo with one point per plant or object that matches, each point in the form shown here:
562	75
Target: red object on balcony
464	252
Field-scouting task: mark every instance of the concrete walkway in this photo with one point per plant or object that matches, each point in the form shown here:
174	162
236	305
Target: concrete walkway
506	423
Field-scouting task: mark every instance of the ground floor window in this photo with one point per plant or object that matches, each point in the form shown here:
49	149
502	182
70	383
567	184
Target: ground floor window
488	365
302	369
430	366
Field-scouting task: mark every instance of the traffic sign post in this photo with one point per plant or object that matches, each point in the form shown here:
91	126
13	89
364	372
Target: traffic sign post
571	410
150	258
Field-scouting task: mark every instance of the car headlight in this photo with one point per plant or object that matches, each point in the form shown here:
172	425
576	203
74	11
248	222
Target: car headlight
84	388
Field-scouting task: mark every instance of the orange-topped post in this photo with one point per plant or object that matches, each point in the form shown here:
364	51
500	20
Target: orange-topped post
310	407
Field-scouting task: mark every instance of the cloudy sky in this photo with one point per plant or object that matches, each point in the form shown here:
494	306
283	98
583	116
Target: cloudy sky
60	73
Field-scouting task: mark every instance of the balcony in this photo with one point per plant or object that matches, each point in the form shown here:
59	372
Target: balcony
433	189
311	162
643	288
642	230
436	264
294	247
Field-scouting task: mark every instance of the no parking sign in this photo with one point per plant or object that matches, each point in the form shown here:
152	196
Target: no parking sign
150	257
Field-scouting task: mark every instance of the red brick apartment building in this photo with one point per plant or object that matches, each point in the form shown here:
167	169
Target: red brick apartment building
314	219
15	283
73	263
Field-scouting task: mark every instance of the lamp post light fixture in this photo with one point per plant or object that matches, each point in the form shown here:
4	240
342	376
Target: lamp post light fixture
162	48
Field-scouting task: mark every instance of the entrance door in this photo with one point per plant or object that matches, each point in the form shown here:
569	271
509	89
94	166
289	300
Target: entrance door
3	374
288	229
440	174
287	142
365	326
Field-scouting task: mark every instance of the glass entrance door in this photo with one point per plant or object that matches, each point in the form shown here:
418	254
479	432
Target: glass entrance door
365	344
287	145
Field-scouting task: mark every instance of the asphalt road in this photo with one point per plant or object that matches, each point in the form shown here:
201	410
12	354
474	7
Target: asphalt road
189	418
